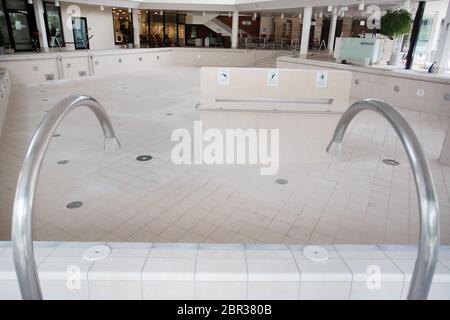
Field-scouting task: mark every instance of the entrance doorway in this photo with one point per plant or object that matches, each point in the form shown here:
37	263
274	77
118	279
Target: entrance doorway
80	33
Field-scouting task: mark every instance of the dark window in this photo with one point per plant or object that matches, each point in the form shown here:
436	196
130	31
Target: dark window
181	36
123	26
80	33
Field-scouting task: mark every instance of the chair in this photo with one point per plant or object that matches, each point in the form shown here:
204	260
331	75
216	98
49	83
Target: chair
159	42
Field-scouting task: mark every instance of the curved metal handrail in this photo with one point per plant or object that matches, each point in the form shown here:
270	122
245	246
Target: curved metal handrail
22	241
428	206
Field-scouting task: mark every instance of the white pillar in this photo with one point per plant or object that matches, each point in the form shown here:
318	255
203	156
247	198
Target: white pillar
443	50
136	31
332	32
306	27
40	23
235	30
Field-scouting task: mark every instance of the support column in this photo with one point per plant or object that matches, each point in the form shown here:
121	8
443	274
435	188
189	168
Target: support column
136	31
332	33
443	50
40	23
306	28
235	30
415	34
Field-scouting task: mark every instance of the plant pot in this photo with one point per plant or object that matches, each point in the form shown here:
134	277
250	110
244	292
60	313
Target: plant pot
396	59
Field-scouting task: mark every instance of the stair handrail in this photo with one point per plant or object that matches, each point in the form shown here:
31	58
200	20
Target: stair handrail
428	248
21	230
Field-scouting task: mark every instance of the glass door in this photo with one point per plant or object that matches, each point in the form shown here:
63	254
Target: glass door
80	33
20	30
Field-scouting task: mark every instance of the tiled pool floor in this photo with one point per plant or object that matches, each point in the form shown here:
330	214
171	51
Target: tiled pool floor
358	199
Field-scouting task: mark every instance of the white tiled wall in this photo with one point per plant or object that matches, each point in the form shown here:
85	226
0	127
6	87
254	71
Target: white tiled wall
223	271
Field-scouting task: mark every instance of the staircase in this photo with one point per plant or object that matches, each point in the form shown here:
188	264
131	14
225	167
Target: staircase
218	27
271	60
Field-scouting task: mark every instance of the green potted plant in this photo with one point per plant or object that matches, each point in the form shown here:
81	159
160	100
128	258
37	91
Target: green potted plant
394	24
2	42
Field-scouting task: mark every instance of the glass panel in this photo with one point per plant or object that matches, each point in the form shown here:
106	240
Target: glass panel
181	29
80	33
123	32
170	28
157	28
422	41
54	25
20	31
181	19
4	28
430	29
144	27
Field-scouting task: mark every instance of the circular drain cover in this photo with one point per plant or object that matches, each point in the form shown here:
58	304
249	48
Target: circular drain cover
281	181
169	114
56	135
97	252
144	157
391	162
63	162
74	205
316	253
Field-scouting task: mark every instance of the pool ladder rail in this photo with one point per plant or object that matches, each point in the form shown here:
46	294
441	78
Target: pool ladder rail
428	249
21	231
22	241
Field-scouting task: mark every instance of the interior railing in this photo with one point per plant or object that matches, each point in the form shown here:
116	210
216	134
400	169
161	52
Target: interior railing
428	205
22	240
264	43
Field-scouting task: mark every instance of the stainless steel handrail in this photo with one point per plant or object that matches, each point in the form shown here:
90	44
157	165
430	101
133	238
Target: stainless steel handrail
22	240
277	100
428	205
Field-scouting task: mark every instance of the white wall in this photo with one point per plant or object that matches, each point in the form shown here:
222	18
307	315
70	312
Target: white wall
100	24
28	69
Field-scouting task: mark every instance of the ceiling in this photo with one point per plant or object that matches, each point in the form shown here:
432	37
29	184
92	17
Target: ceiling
234	5
261	7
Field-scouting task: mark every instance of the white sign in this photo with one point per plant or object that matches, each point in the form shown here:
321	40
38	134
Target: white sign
18	25
272	78
223	77
322	79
